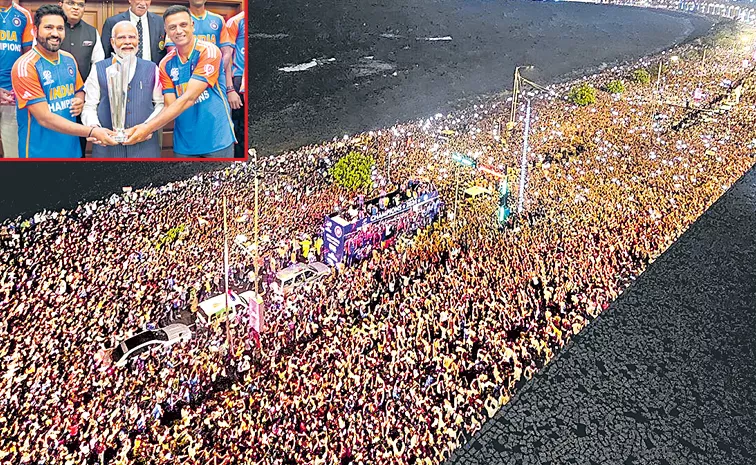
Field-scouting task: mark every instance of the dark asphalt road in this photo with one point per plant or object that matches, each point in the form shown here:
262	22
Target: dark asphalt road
667	375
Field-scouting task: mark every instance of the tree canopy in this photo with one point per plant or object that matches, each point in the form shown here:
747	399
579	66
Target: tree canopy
583	95
353	171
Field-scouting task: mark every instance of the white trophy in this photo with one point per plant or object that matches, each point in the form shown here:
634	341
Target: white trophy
118	87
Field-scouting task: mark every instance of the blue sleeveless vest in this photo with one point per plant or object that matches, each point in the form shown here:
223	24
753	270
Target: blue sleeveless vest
138	108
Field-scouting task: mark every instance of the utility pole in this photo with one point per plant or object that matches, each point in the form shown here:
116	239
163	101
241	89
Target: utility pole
524	161
456	196
388	168
523	164
257	237
229	338
515	94
464	160
518	82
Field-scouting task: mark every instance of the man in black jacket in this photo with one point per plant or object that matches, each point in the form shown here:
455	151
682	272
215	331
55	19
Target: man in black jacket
149	26
83	42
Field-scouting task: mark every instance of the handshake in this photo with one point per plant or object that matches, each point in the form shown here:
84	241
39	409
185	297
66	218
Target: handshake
107	137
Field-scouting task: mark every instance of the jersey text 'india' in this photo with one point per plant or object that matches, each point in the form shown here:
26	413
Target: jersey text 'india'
37	79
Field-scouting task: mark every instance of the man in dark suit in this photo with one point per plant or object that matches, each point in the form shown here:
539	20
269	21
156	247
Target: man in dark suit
149	27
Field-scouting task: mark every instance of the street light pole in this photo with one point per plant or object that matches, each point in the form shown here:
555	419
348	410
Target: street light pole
524	161
515	92
229	339
465	160
257	224
518	82
456	196
388	168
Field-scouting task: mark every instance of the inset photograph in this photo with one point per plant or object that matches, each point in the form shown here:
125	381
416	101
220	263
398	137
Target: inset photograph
122	80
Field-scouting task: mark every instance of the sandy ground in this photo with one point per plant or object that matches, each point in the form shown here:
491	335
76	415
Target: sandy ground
326	68
369	64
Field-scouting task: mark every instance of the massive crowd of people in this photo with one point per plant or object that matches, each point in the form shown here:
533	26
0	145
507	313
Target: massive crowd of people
396	359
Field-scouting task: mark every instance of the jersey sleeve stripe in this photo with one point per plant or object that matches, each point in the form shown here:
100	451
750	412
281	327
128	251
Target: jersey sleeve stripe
210	49
23	65
204	47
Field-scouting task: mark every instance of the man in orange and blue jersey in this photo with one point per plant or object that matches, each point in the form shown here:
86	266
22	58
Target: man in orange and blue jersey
15	39
208	26
194	89
233	60
49	94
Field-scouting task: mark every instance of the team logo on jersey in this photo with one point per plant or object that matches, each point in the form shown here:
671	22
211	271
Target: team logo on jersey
214	26
47	76
17	21
208	69
242	50
70	71
174	74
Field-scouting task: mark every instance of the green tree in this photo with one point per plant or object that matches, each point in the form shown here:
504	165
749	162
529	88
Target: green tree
641	76
353	171
583	95
615	87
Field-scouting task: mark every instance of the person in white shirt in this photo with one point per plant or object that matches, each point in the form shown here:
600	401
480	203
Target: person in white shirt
145	96
149	25
137	21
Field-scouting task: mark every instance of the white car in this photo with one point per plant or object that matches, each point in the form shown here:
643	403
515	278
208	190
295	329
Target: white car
214	308
300	273
148	340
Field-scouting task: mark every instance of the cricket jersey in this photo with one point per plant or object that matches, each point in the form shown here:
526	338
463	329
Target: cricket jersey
15	33
237	35
37	79
210	27
206	126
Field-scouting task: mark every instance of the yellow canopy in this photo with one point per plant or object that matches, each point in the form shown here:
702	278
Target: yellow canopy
475	191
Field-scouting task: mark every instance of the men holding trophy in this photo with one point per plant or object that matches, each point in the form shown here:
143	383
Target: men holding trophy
122	92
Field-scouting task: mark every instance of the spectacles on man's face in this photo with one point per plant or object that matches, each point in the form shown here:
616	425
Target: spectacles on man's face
79	5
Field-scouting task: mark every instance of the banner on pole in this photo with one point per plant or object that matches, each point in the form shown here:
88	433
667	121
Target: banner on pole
255	314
